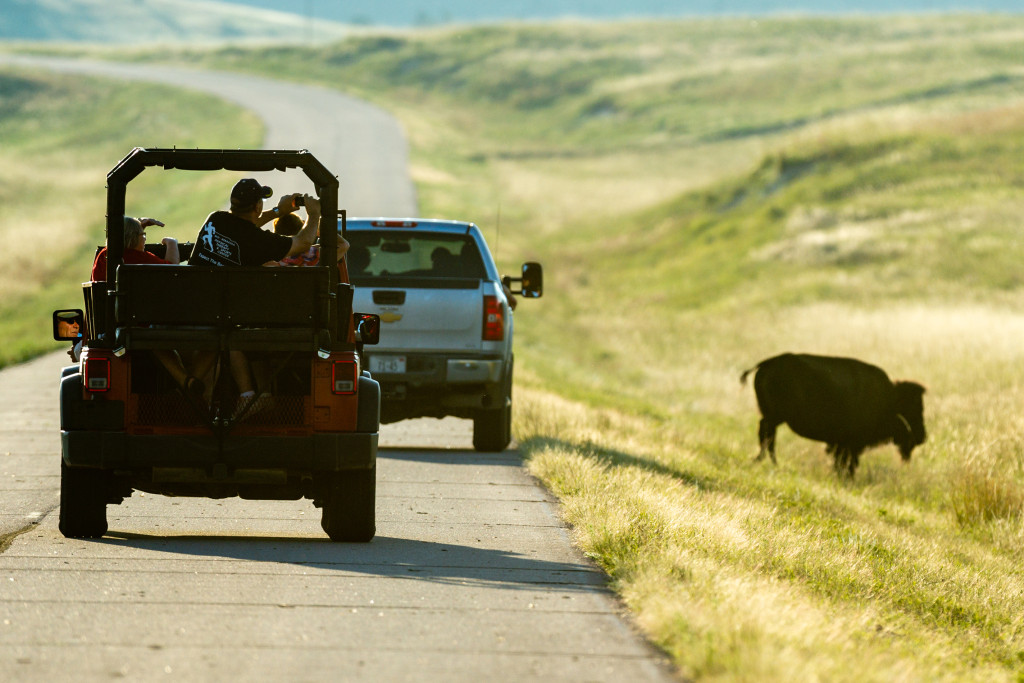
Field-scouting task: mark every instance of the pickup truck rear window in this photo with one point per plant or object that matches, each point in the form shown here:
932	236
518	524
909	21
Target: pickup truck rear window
375	258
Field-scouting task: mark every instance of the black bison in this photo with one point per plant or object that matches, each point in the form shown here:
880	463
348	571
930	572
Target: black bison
846	403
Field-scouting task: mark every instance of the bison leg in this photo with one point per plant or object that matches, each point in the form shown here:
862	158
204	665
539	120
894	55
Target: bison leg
766	437
846	459
839	455
854	460
833	450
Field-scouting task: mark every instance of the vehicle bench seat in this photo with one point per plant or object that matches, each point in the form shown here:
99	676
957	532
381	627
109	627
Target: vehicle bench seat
148	294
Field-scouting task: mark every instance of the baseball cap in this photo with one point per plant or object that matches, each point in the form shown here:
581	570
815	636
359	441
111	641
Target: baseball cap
248	191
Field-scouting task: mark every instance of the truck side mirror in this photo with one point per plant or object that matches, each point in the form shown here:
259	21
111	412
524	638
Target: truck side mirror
68	324
367	328
532	280
531	284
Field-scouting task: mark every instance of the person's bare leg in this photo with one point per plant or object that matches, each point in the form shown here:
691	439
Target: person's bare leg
241	374
173	365
203	363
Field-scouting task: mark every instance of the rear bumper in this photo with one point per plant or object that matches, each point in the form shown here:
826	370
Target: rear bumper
316	453
440	369
474	371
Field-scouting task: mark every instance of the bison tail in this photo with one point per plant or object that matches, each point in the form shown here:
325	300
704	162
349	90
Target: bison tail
743	377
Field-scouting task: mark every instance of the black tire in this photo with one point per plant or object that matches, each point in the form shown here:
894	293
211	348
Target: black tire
492	427
349	509
83	501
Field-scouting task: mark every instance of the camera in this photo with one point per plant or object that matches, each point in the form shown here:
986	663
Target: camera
298	201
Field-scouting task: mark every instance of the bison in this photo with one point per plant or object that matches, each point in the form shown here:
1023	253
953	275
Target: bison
846	403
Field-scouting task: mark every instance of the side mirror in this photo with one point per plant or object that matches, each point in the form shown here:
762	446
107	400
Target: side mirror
68	324
531	284
367	328
533	280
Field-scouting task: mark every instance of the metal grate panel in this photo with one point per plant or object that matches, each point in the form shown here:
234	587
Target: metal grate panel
166	410
276	411
173	410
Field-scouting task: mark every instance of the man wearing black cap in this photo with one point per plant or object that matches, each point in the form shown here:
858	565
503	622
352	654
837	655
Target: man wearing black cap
235	239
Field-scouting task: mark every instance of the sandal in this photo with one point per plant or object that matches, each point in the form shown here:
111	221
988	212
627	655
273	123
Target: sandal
194	386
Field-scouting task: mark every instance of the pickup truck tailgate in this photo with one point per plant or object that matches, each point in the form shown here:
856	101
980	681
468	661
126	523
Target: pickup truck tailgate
425	319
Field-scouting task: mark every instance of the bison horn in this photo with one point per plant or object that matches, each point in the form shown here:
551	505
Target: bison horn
905	423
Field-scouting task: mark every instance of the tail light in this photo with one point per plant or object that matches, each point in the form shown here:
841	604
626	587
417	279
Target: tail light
344	375
494	319
97	375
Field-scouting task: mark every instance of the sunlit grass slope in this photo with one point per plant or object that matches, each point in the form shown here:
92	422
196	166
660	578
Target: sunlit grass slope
59	136
749	572
705	194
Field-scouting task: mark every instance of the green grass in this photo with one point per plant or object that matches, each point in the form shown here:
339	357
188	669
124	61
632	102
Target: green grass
59	136
705	194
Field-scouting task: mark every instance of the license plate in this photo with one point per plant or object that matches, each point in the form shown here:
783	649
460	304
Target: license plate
387	364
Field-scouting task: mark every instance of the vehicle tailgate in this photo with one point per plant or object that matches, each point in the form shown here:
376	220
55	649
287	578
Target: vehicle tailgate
425	319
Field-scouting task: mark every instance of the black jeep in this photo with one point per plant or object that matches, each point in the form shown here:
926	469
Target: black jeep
126	425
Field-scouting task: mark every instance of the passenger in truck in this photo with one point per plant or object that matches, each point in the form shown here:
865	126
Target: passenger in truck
235	238
135	252
443	262
358	259
289	225
135	248
70	325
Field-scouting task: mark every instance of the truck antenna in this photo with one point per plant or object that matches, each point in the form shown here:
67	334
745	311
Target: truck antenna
497	232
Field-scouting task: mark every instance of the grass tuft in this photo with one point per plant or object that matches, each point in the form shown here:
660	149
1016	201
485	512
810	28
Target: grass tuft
982	492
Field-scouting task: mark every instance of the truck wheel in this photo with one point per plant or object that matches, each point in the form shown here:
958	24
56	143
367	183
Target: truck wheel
492	428
83	502
350	506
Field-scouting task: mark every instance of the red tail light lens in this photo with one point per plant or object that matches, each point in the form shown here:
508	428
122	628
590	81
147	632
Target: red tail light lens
494	319
344	376
97	375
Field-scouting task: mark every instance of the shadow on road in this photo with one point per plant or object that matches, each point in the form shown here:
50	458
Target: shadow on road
447	456
385	557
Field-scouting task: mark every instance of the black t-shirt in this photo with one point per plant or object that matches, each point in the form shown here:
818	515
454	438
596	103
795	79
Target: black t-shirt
227	240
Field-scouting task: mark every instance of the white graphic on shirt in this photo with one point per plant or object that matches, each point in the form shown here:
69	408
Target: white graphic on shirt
207	236
220	247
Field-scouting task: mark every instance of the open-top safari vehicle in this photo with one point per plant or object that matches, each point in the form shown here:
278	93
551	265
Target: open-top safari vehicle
127	425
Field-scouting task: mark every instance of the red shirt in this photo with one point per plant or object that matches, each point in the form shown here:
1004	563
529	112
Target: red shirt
99	267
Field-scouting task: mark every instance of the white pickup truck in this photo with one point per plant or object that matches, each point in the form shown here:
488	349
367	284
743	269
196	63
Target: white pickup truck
446	321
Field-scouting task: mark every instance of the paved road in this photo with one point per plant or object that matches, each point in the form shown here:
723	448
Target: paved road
471	576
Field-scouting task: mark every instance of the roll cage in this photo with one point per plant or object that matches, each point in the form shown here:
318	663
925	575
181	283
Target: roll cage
101	296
